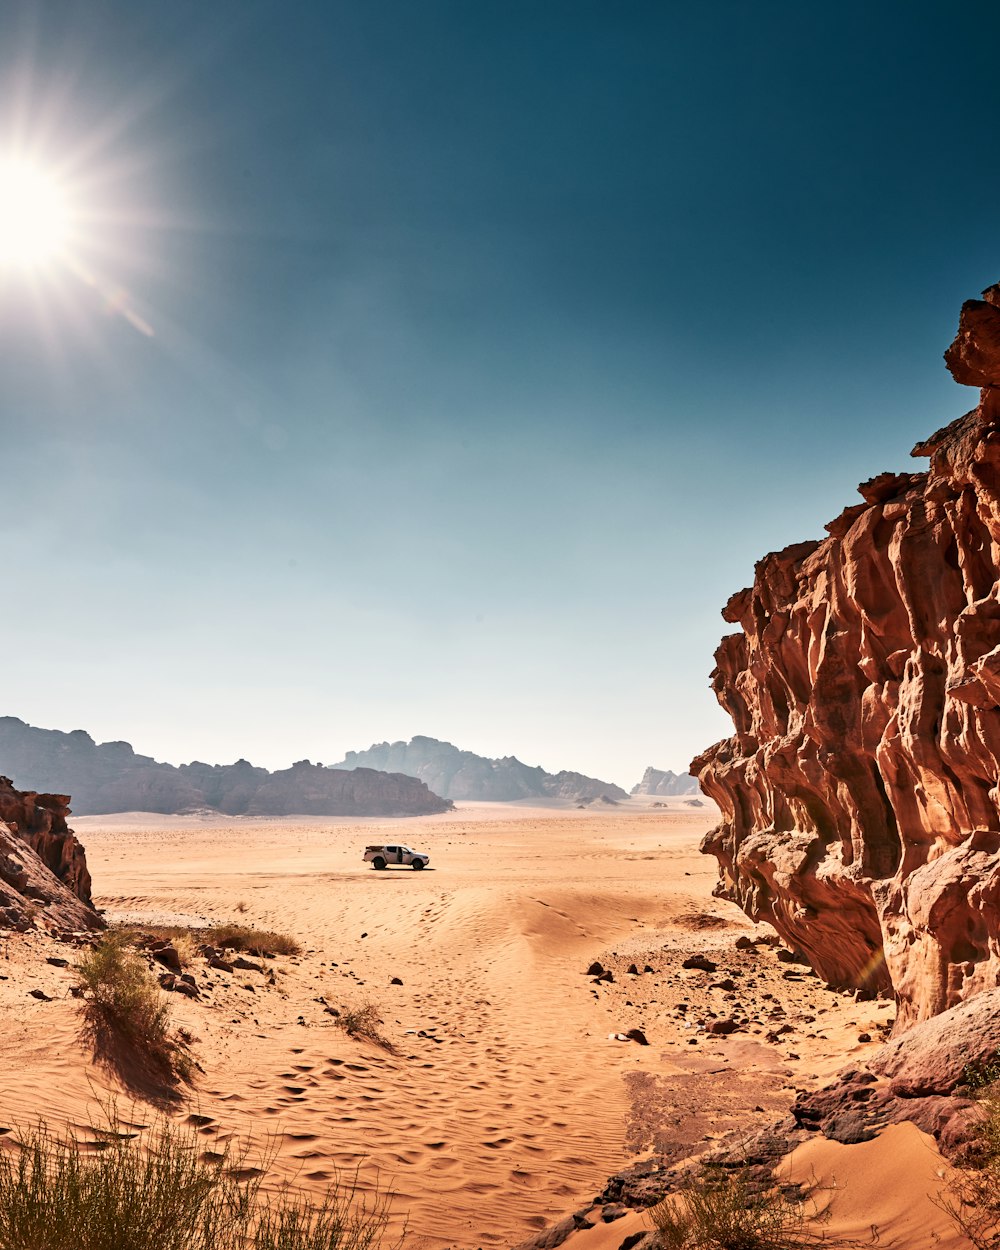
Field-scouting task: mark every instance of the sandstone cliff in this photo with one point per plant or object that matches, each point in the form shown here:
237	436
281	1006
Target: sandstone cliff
111	777
458	774
43	868
861	790
655	781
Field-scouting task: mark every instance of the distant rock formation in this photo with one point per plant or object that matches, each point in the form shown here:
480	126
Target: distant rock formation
460	774
859	792
665	784
43	868
111	777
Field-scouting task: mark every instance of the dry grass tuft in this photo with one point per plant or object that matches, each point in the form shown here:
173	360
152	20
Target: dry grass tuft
163	1195
236	937
739	1210
126	1020
365	1021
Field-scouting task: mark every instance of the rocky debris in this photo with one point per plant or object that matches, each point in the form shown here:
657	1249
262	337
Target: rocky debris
701	962
166	953
462	775
111	777
556	1234
665	783
859	790
182	984
43	868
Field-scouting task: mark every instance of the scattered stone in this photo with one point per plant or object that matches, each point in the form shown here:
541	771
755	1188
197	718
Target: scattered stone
595	970
166	953
722	1026
637	1035
56	961
40	994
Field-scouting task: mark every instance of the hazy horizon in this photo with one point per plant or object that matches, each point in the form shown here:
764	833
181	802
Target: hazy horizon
444	369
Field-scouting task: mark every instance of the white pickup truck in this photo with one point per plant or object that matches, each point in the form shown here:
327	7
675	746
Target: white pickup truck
383	856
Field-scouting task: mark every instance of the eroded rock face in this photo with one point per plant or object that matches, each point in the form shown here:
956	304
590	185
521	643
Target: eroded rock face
43	868
859	793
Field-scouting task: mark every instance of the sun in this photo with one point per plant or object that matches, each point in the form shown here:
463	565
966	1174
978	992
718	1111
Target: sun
35	216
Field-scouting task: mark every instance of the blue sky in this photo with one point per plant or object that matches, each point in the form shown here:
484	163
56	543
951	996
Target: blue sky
493	343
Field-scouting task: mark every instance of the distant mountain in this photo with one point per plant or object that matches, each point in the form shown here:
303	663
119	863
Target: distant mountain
656	782
111	777
458	774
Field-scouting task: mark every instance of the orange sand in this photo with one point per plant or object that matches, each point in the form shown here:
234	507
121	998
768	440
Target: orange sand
513	1107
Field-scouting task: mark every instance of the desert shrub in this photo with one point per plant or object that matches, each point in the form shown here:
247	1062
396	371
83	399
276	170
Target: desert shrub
983	1073
163	1195
971	1198
739	1210
364	1021
127	1019
236	937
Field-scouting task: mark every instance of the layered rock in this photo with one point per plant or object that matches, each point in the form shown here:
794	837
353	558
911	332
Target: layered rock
43	868
458	774
859	792
111	777
665	784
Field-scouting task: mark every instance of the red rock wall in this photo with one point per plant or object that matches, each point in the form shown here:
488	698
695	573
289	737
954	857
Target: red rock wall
43	868
859	792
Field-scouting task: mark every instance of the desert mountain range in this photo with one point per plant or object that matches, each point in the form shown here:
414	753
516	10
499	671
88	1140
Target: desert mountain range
111	777
457	774
666	784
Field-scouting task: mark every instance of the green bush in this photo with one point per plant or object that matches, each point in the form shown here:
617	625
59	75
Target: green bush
127	1020
162	1195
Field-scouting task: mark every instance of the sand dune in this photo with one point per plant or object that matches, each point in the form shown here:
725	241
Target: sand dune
505	1105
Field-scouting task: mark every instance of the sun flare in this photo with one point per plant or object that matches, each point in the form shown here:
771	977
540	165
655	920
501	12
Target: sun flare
34	215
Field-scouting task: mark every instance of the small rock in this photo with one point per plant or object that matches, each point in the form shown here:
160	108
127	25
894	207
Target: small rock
613	1211
165	953
637	1035
700	962
56	961
744	943
396	981
633	970
595	969
864	1037
40	994
722	1026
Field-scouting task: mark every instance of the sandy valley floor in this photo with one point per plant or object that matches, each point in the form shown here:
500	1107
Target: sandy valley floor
506	1105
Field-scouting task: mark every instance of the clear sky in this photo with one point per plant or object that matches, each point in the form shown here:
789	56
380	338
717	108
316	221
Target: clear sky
492	343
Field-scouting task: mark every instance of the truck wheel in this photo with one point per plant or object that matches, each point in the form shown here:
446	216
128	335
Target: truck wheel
417	865
378	862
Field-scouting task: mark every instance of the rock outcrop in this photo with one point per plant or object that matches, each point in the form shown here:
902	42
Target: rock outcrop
111	777
458	774
43	868
665	784
860	791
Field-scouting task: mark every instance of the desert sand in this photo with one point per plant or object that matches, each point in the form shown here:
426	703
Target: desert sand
507	1104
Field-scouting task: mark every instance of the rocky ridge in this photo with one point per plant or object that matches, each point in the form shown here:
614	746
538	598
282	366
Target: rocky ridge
860	792
43	868
463	775
665	784
111	777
